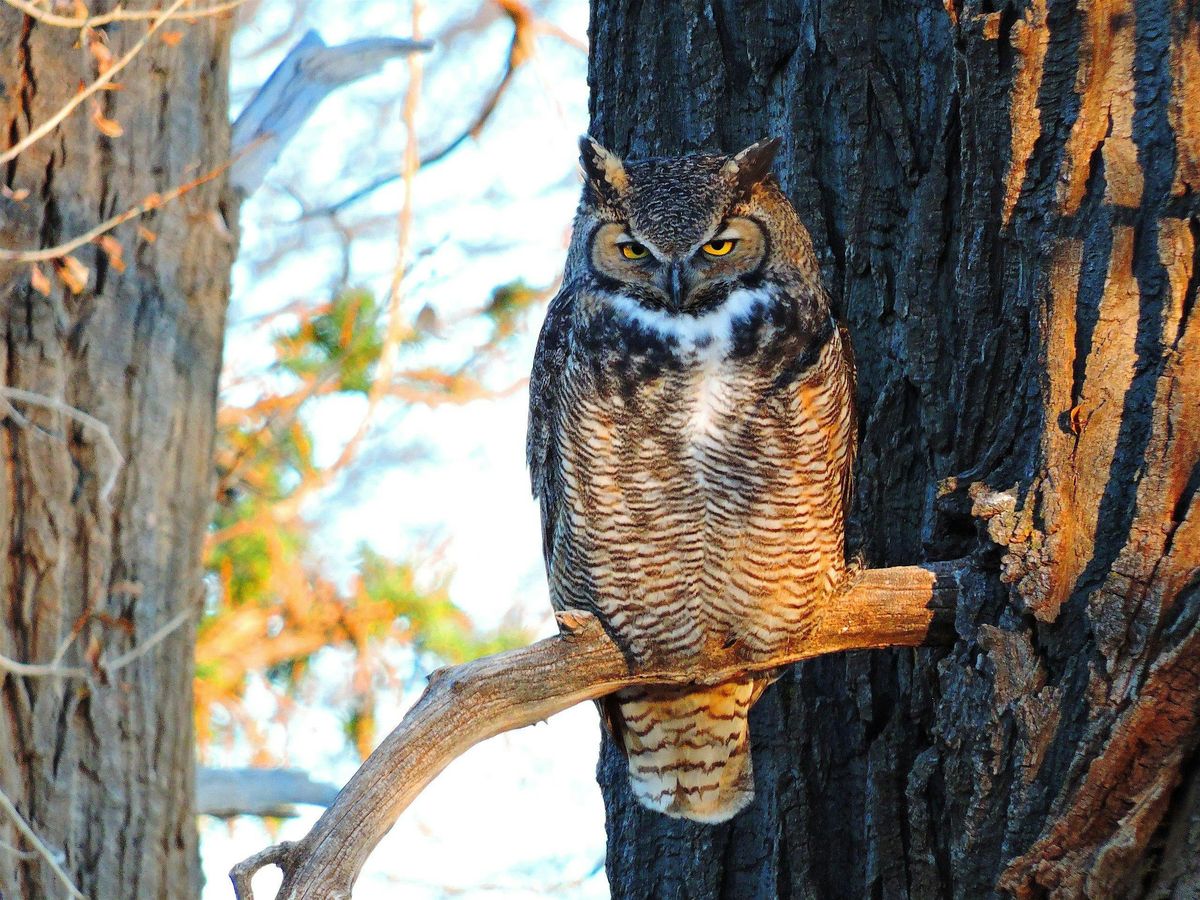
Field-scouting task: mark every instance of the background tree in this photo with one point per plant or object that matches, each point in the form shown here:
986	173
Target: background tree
1007	202
270	600
108	365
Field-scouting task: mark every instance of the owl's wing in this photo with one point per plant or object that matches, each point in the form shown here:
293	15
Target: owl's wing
545	386
852	437
541	447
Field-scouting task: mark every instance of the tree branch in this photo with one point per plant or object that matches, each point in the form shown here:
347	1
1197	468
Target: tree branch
51	858
88	421
55	670
258	792
310	72
901	607
149	204
120	14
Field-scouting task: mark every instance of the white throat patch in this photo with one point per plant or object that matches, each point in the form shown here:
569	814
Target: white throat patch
710	333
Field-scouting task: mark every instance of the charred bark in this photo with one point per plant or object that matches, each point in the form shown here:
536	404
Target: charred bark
101	764
1007	204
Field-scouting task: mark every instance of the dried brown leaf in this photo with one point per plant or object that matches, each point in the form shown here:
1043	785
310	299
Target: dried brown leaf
16	196
73	273
121	623
38	280
111	246
428	321
146	234
106	126
171	38
99	50
92	653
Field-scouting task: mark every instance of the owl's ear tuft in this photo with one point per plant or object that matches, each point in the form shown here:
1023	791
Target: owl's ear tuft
751	166
603	170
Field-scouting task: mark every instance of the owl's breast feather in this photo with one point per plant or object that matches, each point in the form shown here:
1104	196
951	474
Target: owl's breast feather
700	338
712	395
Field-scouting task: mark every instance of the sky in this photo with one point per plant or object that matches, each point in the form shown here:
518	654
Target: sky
519	816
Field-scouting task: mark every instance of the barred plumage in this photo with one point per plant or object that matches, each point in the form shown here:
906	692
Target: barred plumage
691	440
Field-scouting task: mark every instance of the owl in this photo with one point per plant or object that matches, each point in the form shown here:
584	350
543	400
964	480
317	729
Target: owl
691	437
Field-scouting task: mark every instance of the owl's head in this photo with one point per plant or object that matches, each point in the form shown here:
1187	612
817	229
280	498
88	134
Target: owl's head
680	234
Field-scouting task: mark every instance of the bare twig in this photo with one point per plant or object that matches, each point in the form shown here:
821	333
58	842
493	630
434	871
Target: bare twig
52	670
104	78
43	851
149	204
18	852
563	35
39	670
473	130
9	394
150	643
119	14
520	49
901	607
395	333
44	670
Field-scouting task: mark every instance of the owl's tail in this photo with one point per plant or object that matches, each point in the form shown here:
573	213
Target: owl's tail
689	748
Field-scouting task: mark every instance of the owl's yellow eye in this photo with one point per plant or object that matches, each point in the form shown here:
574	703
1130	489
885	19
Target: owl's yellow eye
719	247
633	250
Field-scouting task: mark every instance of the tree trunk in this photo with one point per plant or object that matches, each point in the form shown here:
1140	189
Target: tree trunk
1007	204
101	765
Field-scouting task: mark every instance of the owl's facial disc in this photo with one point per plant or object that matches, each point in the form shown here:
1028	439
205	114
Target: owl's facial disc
694	280
620	256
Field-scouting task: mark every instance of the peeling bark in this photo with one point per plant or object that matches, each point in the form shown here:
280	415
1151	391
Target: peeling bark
102	767
1008	204
1030	38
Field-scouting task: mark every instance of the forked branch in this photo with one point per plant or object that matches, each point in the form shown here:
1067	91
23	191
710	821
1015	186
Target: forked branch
901	607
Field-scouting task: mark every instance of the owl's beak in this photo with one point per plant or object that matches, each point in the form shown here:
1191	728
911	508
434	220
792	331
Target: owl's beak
677	286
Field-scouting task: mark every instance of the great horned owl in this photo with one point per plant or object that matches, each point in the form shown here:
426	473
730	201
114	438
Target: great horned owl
691	435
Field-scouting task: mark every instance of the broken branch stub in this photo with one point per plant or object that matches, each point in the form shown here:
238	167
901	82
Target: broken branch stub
907	606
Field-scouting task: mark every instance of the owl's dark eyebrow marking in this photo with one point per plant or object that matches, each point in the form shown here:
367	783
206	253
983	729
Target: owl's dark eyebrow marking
720	229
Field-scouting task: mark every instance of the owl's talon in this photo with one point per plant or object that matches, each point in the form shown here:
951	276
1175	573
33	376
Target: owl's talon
856	568
571	621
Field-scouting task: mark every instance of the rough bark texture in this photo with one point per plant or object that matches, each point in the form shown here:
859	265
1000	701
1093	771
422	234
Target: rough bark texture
102	766
1007	202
